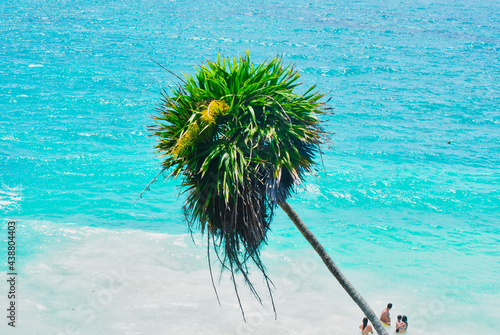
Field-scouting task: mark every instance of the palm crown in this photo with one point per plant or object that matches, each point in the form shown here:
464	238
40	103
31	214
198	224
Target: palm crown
241	138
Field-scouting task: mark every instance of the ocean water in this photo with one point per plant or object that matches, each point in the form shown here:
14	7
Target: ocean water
408	206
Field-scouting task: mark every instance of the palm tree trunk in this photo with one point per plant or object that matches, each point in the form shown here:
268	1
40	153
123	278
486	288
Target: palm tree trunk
358	299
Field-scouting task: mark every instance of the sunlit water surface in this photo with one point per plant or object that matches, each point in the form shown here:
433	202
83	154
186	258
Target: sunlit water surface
408	207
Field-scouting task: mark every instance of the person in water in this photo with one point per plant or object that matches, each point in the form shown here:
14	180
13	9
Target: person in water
385	317
365	327
398	321
402	326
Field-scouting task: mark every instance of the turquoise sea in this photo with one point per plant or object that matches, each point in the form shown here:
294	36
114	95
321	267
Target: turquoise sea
408	207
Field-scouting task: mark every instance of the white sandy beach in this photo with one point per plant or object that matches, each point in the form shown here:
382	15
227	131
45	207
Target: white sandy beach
95	281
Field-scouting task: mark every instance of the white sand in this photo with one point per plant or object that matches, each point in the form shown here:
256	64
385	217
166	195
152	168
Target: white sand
95	281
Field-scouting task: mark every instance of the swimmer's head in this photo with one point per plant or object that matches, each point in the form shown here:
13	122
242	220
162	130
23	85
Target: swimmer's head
389	305
405	319
399	317
365	322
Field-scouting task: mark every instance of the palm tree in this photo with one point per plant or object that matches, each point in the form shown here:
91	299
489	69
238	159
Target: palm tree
242	139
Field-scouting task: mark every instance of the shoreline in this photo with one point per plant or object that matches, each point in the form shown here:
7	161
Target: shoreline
128	282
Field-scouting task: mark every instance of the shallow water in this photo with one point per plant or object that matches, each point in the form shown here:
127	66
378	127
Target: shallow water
408	207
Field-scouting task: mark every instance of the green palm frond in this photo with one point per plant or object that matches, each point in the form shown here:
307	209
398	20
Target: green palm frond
242	139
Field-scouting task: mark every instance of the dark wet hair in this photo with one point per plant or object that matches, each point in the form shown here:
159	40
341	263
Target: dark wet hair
399	317
389	305
365	322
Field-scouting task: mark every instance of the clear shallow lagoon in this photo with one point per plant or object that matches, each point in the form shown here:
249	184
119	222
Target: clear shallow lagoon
409	209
